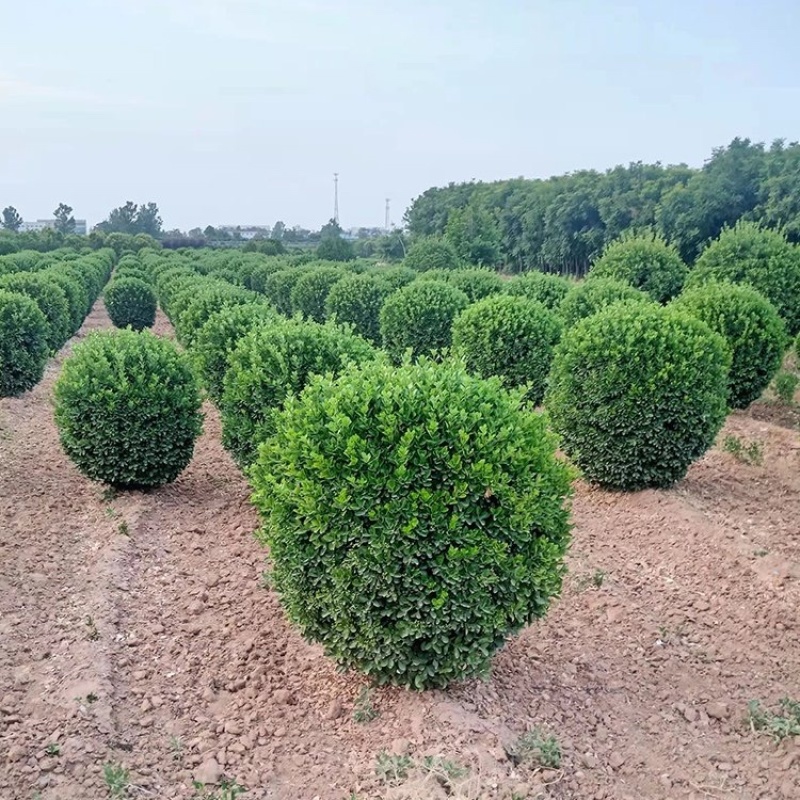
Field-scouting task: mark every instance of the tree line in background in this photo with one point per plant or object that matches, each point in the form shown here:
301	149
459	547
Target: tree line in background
561	224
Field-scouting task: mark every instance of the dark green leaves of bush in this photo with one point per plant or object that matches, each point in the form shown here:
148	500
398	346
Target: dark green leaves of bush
131	302
416	518
23	343
637	393
128	409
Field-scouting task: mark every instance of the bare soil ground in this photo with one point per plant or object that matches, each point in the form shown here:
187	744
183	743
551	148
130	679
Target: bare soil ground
136	632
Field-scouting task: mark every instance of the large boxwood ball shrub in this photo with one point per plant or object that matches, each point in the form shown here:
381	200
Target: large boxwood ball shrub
79	277
420	317
278	288
23	343
49	297
637	393
218	338
128	409
309	294
593	295
357	300
270	363
755	333
416	518
476	283
74	292
396	277
760	257
547	289
130	271
131	302
646	262
204	303
510	337
431	253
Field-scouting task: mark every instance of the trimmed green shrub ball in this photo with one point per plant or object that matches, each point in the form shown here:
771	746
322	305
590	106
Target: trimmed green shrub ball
49	297
416	518
549	290
278	288
138	272
205	302
638	392
645	262
396	277
269	364
357	300
420	317
760	257
130	302
23	343
752	328
476	283
309	294
218	338
128	409
75	293
431	253
510	337
595	294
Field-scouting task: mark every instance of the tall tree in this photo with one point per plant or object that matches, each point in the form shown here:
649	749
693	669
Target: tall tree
132	218
330	230
65	222
278	230
12	221
148	220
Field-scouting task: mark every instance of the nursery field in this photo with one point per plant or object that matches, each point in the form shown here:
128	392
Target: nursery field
142	649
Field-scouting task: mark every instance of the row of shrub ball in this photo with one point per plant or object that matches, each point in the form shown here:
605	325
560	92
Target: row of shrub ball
386	418
43	302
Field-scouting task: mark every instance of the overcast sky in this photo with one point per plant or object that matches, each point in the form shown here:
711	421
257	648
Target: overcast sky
240	111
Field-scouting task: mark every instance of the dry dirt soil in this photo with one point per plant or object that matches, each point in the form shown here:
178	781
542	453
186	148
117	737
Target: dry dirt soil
137	636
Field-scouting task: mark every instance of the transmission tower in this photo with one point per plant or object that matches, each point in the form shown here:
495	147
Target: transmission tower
336	197
387	223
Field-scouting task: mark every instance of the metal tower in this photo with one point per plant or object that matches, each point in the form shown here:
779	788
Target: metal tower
336	197
387	222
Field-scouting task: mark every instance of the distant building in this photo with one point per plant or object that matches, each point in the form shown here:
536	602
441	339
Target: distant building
247	232
43	224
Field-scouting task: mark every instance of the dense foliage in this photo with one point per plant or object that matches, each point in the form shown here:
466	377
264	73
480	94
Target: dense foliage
752	328
271	362
549	290
205	301
564	222
278	288
593	295
420	317
357	300
218	337
131	302
475	283
415	516
23	343
430	253
748	253
50	298
510	337
309	293
637	393
128	409
645	262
